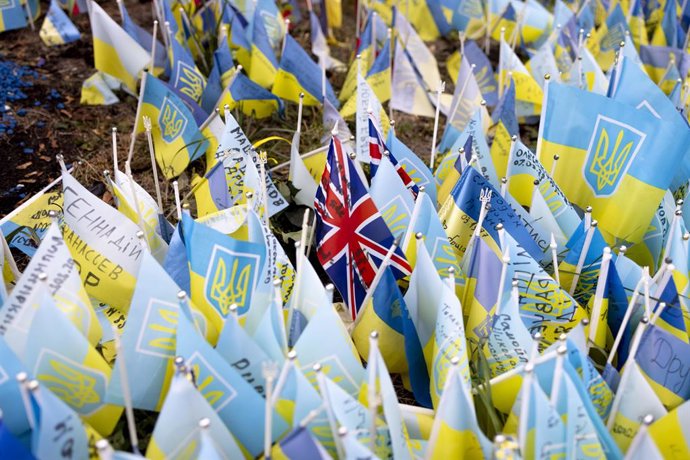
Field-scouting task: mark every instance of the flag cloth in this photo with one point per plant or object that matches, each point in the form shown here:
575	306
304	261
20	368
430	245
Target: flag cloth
103	243
220	77
211	191
96	91
175	132
148	339
298	73
223	270
225	390
177	430
391	198
145	39
300	177
62	283
263	63
251	98
351	236
14	416
115	52
412	164
70	367
528	93
57	29
611	147
669	432
185	76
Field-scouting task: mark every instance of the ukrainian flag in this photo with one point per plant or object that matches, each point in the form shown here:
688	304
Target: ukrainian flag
506	126
252	99
637	26
298	73
591	261
263	64
70	367
379	76
606	39
175	132
220	77
528	93
211	191
668	432
115	52
57	29
238	41
606	150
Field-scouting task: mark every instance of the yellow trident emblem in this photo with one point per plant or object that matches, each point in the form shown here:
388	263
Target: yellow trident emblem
609	157
230	286
73	387
171	121
190	82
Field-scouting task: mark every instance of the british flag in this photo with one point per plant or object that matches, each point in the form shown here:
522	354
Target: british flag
376	149
352	237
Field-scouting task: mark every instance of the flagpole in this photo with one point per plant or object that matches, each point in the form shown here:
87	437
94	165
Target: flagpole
178	206
126	394
558	374
310	239
136	116
439	91
583	256
372	396
393	43
553	165
27	9
282	377
137	208
505	260
147	128
303	156
22	379
413	218
554	259
269	370
153	45
104	449
595	316
677	215
618	397
115	166
373	37
625	320
501	64
379	274
287	32
262	157
299	114
456	102
511	154
524	406
320	378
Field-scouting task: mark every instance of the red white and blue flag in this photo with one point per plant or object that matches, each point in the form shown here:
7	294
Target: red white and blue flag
376	149
352	237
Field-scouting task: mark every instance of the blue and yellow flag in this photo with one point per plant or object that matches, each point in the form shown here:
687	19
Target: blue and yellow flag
263	64
211	191
225	390
223	270
148	339
668	432
185	76
546	432
606	39
252	99
145	39
580	268
220	77
175	132
298	73
70	367
606	150
177	428
57	29
415	168
506	126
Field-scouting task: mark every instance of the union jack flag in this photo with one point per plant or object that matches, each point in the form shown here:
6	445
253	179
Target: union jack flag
352	237
376	149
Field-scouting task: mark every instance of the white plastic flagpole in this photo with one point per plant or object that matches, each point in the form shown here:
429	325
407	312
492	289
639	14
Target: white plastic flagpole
461	36
287	32
104	449
126	395
501	64
414	217
269	371
27	8
303	156
439	91
299	112
625	320
558	374
553	165
372	394
152	153
669	239
373	37
595	317
178	206
264	191
554	259
135	199
645	285
524	407
450	279
583	255
436	426
511	154
153	45
282	377
320	378
461	94
23	381
505	260
133	139
115	166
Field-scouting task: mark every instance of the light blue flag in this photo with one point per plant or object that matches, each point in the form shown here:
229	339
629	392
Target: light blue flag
379	381
230	396
435	239
350	413
270	333
545	431
13	410
59	428
177	433
326	341
298	397
12	16
418	171
148	340
241	352
354	449
393	200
